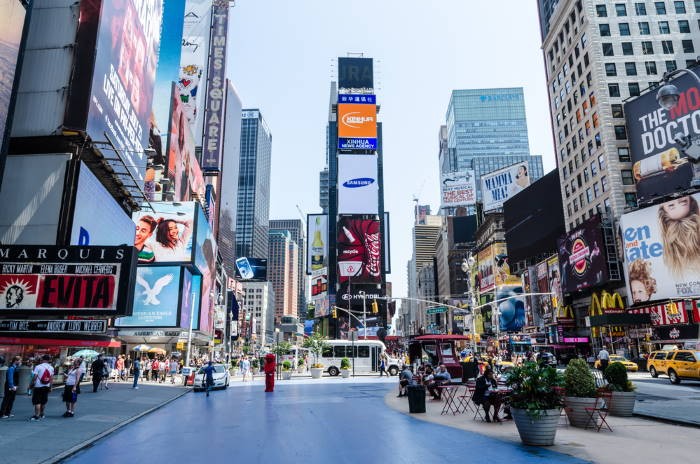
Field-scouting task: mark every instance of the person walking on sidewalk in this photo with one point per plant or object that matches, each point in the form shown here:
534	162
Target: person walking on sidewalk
41	386
245	367
604	357
382	366
209	376
11	382
70	390
173	369
97	370
137	372
119	366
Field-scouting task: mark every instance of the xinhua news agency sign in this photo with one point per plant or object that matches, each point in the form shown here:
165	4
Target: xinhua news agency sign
71	280
216	89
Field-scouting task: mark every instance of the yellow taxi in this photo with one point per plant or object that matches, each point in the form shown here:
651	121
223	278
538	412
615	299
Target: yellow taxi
677	364
629	365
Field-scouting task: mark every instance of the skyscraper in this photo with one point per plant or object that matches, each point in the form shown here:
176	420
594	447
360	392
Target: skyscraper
282	267
486	131
253	210
296	229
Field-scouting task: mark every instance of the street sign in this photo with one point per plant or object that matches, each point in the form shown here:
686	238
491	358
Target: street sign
437	310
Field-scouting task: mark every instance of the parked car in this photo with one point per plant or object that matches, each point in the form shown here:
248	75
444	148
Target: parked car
546	358
677	364
629	365
221	378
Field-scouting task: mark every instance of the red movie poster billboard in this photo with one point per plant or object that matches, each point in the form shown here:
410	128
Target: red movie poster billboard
359	249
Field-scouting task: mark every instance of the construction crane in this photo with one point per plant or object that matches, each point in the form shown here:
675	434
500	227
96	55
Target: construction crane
303	220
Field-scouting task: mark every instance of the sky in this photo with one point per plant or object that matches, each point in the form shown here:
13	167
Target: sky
283	55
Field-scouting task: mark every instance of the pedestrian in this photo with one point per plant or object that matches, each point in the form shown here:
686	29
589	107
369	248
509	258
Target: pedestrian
154	370
97	370
209	376
382	365
119	365
71	388
162	369
269	369
11	381
137	372
604	358
173	369
42	377
245	367
147	369
127	367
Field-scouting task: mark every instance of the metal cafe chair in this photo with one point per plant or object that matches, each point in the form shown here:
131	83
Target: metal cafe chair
599	412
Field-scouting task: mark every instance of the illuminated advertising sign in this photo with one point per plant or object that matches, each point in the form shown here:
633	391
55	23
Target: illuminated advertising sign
661	257
662	142
511	310
362	98
485	269
251	269
582	259
212	147
93	201
191	285
502	184
359	249
357	126
355	73
12	15
458	188
180	151
358	187
316	242
126	55
195	47
66	280
319	283
205	261
165	236
156	298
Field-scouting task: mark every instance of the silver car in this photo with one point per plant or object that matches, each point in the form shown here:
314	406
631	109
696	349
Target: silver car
221	378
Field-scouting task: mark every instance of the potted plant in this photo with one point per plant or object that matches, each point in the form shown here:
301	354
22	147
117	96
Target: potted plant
286	369
316	343
580	392
535	402
345	368
623	394
254	365
300	367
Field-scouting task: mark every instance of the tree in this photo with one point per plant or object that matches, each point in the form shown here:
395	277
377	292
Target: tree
281	348
316	343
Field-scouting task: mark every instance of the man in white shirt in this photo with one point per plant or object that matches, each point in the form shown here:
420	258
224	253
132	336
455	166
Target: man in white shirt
42	377
604	358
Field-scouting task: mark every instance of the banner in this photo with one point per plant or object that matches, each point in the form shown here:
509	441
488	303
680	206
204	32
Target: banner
195	48
458	188
661	141
316	242
582	259
358	186
662	258
502	184
668	314
359	250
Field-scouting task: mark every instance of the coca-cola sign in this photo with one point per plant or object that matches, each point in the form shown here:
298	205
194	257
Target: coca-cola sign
359	250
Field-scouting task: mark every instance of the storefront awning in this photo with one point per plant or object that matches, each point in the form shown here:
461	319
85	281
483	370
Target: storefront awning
619	319
59	342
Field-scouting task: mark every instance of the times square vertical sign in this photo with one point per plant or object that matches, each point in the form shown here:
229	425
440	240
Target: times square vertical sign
216	88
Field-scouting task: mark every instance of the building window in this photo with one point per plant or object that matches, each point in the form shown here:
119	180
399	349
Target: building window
596	190
660	8
608	49
620	9
601	161
688	46
601	11
697	6
594	168
606	203
604	30
604	183
623	154
621	132
614	90
567	191
664	28
589	195
627	48
617	111
624	29
684	26
647	48
627	177
671	65
667	46
633	88
644	28
631	68
651	68
680	7
640	9
586	176
610	69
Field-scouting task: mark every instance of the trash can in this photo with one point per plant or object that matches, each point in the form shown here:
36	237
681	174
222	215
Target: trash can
188	374
470	370
416	398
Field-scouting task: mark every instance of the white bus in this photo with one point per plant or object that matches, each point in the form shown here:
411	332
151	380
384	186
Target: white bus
367	356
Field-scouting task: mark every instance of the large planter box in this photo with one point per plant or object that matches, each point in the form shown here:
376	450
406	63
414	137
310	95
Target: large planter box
345	373
576	412
536	430
316	372
286	375
622	404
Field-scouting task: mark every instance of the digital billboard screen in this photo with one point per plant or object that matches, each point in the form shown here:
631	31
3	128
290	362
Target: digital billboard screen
205	261
502	184
126	55
189	306
458	188
358	186
316	242
355	73
156	298
359	249
582	259
165	235
357	126
181	155
512	309
12	18
253	269
661	141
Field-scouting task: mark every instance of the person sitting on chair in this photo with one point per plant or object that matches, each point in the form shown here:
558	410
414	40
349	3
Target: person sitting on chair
485	384
441	377
405	379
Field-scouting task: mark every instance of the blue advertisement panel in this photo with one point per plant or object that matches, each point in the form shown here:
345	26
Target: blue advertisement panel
345	143
368	99
156	298
191	295
511	311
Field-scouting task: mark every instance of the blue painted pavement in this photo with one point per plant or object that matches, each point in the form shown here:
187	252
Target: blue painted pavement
322	423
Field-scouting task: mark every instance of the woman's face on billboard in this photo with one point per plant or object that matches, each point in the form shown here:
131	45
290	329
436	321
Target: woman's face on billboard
173	233
678	208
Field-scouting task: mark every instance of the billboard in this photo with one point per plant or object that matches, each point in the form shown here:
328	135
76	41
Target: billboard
191	287
661	140
358	186
156	298
12	16
165	235
254	269
485	269
359	249
458	188
180	151
582	259
212	146
66	280
512	309
123	79
205	262
357	126
97	217
319	283
195	47
662	251
316	242
554	281
502	184
355	73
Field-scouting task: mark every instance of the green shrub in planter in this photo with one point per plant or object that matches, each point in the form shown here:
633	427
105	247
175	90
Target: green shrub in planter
616	375
345	363
578	380
286	365
535	388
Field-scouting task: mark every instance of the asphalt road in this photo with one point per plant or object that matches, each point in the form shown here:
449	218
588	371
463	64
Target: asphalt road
661	399
309	422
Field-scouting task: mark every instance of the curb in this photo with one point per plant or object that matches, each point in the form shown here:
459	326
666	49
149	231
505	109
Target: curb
668	420
71	451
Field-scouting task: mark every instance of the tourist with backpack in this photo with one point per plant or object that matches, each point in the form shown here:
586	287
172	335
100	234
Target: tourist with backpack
41	386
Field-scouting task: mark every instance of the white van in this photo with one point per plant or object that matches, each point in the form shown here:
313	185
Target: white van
366	354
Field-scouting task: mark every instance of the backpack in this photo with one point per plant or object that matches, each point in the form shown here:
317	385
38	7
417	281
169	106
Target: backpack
45	376
154	366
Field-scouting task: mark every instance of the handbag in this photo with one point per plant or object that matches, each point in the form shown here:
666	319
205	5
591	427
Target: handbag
74	397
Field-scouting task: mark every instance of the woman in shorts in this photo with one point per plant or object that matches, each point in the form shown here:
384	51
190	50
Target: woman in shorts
72	387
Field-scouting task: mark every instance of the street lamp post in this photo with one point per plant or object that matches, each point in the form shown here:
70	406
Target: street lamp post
364	312
189	334
467	265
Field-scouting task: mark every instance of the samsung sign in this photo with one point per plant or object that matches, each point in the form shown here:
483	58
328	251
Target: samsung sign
358	189
357	183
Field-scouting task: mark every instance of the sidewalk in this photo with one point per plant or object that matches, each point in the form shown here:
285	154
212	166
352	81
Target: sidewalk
632	438
97	414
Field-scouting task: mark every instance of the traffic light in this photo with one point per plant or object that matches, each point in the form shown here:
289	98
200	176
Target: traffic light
375	307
